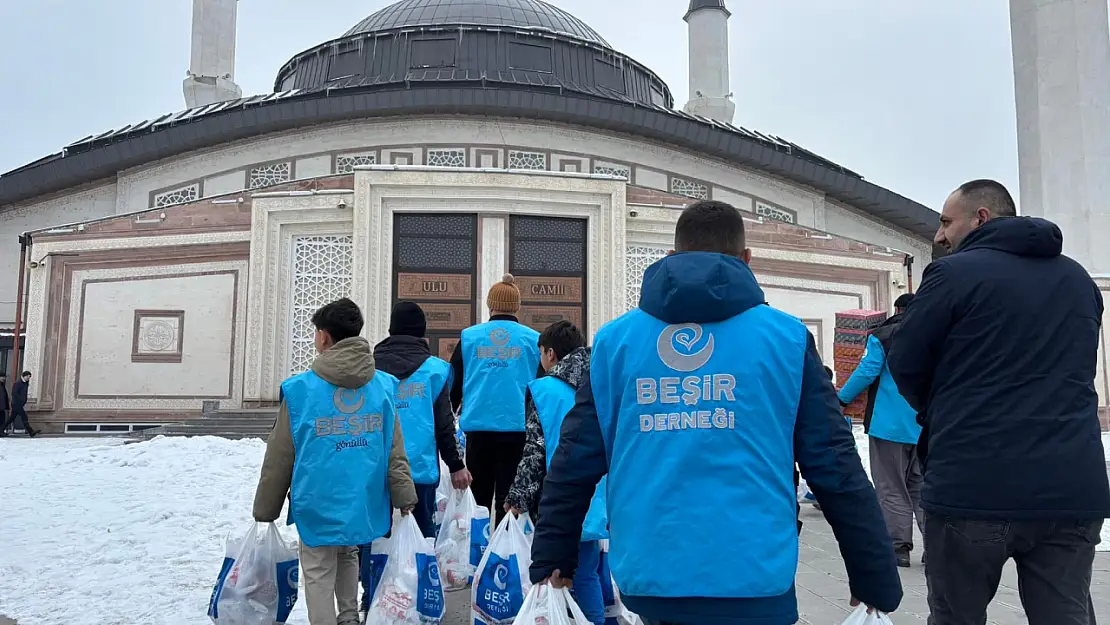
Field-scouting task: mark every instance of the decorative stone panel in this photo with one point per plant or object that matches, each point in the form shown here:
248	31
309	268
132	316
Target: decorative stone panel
619	172
181	195
519	159
773	212
159	336
322	266
452	157
346	163
637	259
689	188
267	175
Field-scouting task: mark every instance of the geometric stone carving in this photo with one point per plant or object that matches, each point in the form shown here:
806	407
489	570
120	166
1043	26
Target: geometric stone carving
322	270
638	258
346	163
185	194
158	336
689	188
619	172
519	159
455	157
266	175
773	212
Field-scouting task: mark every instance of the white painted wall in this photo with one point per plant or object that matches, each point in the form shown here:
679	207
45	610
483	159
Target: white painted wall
807	305
205	368
80	206
849	223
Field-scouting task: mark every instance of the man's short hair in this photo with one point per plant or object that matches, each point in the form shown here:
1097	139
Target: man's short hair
341	319
25	374
710	226
562	336
903	300
989	194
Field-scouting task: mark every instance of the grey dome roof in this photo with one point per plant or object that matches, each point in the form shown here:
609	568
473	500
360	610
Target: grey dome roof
525	14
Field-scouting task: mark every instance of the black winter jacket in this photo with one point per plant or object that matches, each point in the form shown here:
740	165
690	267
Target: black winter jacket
19	395
997	352
401	356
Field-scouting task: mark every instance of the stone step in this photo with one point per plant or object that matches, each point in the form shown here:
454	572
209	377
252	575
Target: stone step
231	422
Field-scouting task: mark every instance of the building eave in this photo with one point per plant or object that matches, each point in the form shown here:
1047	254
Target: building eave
269	115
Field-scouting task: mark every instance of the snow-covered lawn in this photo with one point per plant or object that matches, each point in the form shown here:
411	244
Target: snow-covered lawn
96	532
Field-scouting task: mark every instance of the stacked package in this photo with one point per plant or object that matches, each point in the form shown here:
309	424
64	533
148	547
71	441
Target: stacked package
852	329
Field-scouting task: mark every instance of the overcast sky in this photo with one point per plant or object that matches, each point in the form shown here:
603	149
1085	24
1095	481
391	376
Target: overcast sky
915	96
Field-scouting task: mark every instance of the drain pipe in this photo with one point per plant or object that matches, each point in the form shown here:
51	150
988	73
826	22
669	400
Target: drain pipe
20	301
908	264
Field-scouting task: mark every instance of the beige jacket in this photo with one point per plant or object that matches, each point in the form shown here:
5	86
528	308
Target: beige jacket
348	364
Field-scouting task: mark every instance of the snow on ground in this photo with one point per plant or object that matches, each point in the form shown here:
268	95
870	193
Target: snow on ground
97	532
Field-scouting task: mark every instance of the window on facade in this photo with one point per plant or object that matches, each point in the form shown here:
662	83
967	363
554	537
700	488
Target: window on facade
322	273
609	76
657	97
188	193
344	64
519	159
689	188
530	57
346	163
432	53
266	175
613	170
775	213
452	157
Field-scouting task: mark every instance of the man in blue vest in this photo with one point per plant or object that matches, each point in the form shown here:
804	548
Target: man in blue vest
697	405
493	364
891	425
566	359
337	450
423	406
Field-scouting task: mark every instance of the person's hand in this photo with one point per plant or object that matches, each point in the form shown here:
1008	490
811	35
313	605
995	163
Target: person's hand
855	603
511	508
406	510
558	581
461	479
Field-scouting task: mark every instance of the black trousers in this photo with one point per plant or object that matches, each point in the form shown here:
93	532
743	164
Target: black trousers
1054	561
19	413
492	458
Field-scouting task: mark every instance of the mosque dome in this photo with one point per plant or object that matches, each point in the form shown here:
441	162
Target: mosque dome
520	44
523	14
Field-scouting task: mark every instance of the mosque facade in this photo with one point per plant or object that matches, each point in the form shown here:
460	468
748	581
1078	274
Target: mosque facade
435	146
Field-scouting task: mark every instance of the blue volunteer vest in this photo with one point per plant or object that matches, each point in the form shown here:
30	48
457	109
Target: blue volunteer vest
415	402
698	422
341	441
553	399
499	359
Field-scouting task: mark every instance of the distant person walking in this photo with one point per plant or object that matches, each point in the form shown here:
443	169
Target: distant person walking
5	403
998	352
493	364
19	406
892	429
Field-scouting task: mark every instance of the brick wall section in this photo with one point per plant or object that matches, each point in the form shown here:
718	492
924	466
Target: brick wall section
212	214
852	330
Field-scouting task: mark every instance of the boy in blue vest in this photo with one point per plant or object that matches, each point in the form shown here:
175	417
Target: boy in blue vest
423	406
697	405
566	359
337	450
493	364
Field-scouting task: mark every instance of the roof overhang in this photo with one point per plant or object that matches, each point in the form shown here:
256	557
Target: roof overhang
341	105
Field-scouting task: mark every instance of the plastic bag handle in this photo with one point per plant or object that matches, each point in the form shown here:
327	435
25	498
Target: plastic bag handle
575	611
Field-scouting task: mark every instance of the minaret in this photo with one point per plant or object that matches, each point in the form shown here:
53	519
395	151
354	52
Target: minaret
211	75
708	31
1062	85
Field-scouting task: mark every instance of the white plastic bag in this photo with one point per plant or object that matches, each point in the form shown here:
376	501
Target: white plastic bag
527	526
501	580
545	605
461	539
861	617
257	584
443	493
411	590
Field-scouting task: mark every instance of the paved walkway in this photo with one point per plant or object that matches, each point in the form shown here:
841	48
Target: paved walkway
823	586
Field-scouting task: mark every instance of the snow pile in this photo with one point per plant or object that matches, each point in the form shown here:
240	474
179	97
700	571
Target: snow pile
98	532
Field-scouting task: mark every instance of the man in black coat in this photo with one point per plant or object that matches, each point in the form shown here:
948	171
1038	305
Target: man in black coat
997	352
19	405
5	401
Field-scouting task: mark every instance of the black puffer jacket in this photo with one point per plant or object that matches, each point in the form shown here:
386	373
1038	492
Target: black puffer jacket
401	356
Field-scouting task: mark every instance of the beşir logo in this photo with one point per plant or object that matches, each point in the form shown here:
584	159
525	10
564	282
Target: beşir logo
681	347
499	337
348	400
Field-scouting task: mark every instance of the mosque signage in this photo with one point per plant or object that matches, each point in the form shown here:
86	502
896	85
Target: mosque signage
549	289
447	317
437	286
539	317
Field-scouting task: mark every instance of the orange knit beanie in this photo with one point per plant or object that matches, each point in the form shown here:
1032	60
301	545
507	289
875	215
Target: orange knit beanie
504	297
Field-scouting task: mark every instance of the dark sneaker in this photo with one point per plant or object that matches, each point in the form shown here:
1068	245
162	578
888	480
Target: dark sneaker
902	558
32	433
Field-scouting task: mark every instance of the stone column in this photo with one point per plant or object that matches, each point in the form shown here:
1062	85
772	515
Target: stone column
1061	54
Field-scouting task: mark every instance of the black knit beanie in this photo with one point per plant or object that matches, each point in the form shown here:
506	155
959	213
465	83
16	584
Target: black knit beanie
407	319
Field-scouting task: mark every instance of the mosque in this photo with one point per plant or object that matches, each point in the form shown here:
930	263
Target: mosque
433	147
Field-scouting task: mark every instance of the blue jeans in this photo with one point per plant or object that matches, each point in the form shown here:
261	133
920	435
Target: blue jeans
587	583
425	510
